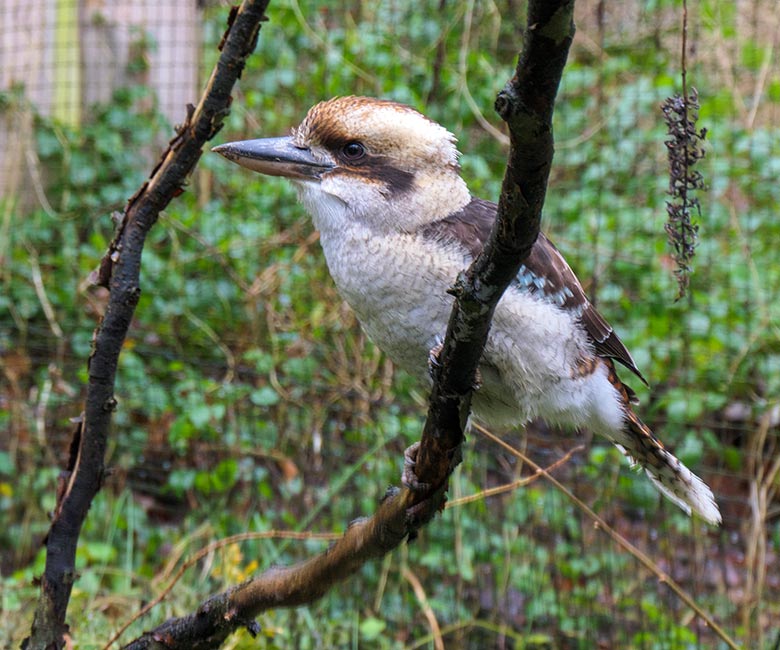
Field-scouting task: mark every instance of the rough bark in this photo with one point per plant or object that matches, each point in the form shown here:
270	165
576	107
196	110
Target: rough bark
526	104
119	271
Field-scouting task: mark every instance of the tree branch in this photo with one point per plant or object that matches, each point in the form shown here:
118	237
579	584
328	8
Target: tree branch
119	271
526	104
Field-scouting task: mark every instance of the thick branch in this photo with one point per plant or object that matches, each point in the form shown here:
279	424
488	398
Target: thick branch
526	103
120	271
303	583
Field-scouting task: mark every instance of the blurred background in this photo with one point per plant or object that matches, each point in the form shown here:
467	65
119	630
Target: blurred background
248	398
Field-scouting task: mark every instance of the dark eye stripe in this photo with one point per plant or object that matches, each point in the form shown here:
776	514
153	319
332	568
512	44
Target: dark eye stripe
397	181
379	169
371	166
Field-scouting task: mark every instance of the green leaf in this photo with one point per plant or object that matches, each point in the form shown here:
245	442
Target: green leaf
371	628
264	396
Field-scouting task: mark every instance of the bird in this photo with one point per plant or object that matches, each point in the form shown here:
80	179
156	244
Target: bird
397	223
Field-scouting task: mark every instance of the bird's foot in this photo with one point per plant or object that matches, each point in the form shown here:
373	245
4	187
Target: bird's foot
477	381
433	357
428	504
408	477
434	364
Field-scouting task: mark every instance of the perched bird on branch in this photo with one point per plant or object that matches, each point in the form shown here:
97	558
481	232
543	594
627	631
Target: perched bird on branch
397	224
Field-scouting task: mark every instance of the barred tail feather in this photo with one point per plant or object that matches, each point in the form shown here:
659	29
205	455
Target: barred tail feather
673	479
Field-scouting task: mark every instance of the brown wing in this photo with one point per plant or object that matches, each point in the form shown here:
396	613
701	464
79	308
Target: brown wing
545	274
562	287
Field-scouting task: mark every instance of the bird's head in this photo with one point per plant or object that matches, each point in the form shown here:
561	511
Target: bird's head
362	160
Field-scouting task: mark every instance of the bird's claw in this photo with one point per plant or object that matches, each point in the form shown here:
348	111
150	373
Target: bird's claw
408	477
433	357
434	364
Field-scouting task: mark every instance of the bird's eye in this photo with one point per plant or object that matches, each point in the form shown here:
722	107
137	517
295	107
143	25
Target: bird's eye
353	151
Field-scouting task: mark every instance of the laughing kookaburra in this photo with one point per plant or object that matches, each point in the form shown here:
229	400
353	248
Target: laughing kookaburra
397	223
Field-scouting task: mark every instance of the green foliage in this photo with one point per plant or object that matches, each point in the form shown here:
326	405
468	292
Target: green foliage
249	399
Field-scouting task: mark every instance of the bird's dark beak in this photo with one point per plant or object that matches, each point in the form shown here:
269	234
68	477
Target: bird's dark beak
275	157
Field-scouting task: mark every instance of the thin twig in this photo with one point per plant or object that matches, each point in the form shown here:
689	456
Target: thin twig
520	638
514	485
422	598
463	84
762	484
621	541
40	292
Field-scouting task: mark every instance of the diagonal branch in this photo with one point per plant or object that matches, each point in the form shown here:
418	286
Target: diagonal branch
526	104
120	271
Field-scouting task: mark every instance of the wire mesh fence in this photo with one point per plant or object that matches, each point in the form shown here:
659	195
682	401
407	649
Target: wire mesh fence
243	350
